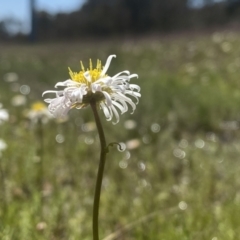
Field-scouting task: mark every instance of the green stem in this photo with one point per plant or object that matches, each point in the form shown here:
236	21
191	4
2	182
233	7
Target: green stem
40	177
40	153
3	187
100	171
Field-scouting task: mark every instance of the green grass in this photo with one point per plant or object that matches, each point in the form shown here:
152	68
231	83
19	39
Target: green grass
182	182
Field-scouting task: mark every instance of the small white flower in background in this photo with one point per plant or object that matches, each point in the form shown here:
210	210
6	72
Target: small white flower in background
3	146
38	112
18	100
133	144
130	124
110	93
10	77
89	126
4	115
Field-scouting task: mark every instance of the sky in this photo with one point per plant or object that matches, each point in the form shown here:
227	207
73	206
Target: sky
200	3
20	10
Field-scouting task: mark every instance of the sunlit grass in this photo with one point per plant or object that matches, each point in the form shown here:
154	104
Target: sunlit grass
180	171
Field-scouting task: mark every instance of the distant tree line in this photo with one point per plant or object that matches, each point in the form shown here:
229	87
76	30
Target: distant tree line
117	17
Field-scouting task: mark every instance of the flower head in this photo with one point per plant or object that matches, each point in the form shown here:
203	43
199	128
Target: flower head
19	100
38	112
3	146
4	115
111	94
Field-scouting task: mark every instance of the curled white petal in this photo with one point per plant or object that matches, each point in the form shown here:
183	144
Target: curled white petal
58	106
96	87
120	107
118	74
134	86
115	114
76	94
124	104
108	98
106	112
107	65
122	97
49	91
66	83
106	80
133	75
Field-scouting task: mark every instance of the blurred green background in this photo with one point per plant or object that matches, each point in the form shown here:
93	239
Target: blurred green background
178	177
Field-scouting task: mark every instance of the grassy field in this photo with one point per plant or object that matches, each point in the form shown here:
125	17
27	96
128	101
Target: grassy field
179	177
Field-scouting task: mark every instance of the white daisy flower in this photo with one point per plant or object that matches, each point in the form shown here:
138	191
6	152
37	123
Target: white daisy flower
4	115
93	85
38	112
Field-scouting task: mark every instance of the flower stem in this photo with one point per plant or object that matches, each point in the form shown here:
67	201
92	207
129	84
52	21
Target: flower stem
40	177
40	137
100	171
3	187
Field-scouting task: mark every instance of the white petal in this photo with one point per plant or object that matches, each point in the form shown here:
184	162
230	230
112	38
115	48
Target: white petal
106	111
76	94
133	75
66	83
132	93
96	87
59	93
49	91
48	100
59	106
136	95
115	76
125	106
61	112
128	100
121	78
107	80
107	65
120	107
108	98
116	114
134	86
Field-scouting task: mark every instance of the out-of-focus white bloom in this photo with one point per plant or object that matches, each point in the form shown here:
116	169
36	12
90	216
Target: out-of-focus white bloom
94	85
130	124
10	77
19	100
41	226
3	145
133	144
4	115
38	112
89	126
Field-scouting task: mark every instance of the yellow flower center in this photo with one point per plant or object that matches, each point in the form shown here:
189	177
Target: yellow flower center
38	106
94	73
